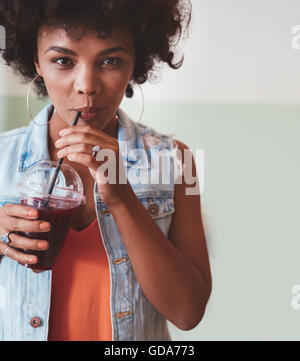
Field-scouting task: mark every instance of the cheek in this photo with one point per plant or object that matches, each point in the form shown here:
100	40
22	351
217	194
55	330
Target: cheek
117	81
115	86
57	86
60	92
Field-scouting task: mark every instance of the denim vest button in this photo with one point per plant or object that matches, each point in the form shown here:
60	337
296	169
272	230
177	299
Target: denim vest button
121	260
153	209
35	322
123	314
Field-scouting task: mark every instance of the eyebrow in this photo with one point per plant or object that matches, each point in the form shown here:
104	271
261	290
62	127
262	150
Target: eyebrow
66	51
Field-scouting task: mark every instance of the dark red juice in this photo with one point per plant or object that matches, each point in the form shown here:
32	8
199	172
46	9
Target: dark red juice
60	220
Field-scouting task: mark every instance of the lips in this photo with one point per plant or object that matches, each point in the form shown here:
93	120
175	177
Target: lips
88	110
89	116
89	113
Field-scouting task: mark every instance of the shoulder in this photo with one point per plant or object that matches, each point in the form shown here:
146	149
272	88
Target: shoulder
185	153
11	145
147	132
188	181
11	141
13	133
153	138
181	145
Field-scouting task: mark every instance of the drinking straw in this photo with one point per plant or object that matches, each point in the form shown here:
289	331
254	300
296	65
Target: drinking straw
58	166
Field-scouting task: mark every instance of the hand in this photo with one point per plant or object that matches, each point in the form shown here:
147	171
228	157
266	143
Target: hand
77	145
17	217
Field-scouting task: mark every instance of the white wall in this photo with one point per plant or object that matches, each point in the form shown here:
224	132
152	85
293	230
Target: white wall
239	51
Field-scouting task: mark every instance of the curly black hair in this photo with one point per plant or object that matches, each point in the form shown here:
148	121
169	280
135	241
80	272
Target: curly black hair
156	25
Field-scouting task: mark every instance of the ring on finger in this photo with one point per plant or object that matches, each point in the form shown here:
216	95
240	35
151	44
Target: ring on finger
96	149
5	238
6	251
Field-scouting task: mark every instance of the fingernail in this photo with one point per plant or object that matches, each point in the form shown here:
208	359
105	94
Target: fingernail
31	260
32	214
58	143
63	132
42	245
37	270
44	226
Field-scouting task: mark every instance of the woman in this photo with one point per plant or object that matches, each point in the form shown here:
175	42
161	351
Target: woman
144	258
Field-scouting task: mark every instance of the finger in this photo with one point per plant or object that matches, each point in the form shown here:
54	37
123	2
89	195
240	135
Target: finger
3	247
77	148
17	255
22	242
78	138
19	210
24	225
84	159
83	129
109	173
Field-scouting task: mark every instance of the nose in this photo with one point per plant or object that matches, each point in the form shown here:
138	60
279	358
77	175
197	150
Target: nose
87	84
88	92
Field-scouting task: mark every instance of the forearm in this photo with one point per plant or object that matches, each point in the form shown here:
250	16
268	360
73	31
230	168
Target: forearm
170	282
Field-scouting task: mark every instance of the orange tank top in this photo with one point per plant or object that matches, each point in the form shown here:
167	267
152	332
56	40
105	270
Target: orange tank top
80	296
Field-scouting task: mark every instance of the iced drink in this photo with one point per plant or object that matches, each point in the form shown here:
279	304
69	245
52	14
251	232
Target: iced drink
61	205
60	220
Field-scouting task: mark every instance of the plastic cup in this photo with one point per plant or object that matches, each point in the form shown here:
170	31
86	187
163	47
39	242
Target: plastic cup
64	201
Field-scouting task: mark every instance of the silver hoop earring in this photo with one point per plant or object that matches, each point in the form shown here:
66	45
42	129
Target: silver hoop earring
143	107
28	102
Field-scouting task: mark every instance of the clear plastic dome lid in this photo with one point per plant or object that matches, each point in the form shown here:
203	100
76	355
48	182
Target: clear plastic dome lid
68	188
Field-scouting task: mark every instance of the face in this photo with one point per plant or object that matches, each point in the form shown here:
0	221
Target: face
89	72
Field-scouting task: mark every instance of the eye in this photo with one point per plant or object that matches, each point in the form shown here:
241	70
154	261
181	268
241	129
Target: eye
58	59
109	62
112	61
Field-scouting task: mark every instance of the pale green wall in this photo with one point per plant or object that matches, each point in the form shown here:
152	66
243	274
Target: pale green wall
13	111
251	207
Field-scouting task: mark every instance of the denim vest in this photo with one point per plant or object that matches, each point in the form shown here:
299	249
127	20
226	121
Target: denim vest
25	295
